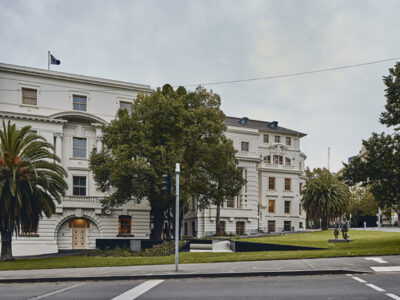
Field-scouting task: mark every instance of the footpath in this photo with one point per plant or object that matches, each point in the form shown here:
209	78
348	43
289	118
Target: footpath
320	266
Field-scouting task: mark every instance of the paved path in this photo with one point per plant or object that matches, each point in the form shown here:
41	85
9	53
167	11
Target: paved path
226	269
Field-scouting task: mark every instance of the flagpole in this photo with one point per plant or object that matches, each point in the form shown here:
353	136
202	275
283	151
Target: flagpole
48	60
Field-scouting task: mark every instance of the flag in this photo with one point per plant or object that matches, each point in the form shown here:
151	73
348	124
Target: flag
53	60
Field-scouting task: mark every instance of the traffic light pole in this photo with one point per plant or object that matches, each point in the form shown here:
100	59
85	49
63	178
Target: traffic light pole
177	171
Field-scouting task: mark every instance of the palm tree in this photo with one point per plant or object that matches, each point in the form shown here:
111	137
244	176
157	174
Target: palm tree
31	178
324	196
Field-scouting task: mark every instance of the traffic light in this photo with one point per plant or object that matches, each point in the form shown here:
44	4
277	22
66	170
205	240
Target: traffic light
167	183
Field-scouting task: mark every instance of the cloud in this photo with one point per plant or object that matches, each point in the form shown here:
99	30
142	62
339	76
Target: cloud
184	42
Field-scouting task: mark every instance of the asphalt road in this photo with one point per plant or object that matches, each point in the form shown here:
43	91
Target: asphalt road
368	286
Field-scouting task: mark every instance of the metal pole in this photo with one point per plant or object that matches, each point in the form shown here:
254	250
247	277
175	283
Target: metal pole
177	171
329	158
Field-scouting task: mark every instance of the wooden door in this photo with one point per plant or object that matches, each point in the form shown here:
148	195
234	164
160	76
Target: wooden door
78	238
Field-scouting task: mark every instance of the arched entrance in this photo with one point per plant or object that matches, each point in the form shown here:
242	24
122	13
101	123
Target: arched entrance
77	233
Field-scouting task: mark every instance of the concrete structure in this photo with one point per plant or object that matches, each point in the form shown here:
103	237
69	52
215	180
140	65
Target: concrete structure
273	166
68	111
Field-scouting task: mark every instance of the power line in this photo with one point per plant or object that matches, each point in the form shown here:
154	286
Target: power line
292	74
116	91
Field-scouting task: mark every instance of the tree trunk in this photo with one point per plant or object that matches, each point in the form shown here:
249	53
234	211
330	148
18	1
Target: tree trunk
158	219
217	220
6	250
324	223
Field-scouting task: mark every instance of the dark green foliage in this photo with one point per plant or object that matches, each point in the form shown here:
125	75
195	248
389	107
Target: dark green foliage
165	128
30	181
391	117
379	168
324	196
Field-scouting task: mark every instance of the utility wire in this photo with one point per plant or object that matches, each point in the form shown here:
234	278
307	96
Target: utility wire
292	74
117	92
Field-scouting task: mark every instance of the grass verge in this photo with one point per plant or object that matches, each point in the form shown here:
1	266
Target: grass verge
365	243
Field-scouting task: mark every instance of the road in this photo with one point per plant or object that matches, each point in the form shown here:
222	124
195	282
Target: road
366	286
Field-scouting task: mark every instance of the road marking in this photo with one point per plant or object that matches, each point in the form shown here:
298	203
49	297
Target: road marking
393	296
359	279
376	259
138	290
373	286
386	269
58	291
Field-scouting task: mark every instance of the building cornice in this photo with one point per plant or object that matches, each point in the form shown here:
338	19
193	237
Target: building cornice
29	117
75	78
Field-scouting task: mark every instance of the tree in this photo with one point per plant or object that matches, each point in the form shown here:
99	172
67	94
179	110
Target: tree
380	167
362	206
164	128
224	180
324	196
30	180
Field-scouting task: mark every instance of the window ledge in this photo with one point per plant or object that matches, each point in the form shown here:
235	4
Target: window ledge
29	105
78	158
28	235
125	235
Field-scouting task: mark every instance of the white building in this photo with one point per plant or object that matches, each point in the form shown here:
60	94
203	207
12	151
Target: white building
68	111
273	166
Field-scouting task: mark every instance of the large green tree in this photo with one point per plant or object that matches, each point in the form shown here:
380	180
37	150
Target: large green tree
224	178
30	181
164	128
324	196
379	168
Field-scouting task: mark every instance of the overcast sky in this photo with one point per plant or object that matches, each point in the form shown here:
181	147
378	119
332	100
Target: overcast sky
189	42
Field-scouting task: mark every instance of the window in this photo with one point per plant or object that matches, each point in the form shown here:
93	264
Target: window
271	206
124	225
194	233
301	225
287	161
271	183
79	147
277	139
186	229
79	102
267	159
266	138
29	96
287	225
230	202
300	210
79	186
300	187
28	232
126	105
222	227
271	226
288	141
287	184
287	207
244	146
300	166
278	159
240	228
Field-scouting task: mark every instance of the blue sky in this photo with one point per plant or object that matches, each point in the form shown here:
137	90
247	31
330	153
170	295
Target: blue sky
189	42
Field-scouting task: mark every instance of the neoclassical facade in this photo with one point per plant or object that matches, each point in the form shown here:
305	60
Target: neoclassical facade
270	201
68	111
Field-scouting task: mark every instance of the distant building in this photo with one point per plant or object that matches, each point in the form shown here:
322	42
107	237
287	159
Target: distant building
273	166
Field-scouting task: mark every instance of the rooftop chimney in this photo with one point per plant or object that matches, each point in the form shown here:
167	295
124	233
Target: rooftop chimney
273	125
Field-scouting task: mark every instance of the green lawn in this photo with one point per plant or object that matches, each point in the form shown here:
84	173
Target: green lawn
365	243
